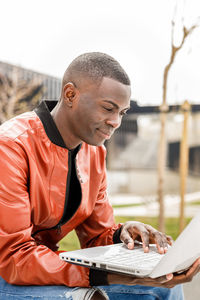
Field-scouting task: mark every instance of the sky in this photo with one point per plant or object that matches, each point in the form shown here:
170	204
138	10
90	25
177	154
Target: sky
46	35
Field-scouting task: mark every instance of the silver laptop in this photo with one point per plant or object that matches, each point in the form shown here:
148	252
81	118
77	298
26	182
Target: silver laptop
117	258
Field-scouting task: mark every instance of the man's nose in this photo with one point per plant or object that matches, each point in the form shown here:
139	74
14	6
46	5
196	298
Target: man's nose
114	121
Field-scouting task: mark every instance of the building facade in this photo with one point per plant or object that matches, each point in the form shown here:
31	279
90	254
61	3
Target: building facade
52	85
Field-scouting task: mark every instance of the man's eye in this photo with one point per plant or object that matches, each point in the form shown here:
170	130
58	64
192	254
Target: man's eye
108	108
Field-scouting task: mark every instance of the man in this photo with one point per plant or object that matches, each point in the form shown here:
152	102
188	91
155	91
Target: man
53	180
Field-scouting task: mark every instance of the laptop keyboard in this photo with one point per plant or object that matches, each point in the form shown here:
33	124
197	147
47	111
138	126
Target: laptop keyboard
135	258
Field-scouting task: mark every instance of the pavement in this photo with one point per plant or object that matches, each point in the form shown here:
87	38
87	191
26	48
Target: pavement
149	207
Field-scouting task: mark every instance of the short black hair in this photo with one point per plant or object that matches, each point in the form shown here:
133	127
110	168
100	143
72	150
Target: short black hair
95	66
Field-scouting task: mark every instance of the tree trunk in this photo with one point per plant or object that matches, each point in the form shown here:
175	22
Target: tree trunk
161	171
183	164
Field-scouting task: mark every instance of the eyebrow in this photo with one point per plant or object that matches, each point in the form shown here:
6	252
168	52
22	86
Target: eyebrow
115	105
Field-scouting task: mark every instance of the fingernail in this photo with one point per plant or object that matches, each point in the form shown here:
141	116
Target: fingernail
129	246
169	276
146	249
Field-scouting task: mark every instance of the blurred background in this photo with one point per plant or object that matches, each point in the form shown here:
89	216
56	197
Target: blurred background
153	159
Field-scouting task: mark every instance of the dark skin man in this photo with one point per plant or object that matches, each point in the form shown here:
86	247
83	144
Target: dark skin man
91	112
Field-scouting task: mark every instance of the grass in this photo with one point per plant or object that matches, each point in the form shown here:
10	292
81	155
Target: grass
71	242
193	203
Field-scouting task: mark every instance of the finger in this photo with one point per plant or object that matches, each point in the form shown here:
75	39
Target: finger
126	238
165	278
145	239
169	240
139	229
195	268
169	277
133	230
159	238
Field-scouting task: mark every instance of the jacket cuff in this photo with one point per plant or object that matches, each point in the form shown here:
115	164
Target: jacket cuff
98	277
116	236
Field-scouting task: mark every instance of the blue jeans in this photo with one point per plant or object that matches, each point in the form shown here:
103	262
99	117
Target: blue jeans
114	292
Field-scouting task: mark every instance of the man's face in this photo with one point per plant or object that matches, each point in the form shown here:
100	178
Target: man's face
98	110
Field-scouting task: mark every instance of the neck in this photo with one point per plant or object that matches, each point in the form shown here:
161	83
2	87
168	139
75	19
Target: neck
63	125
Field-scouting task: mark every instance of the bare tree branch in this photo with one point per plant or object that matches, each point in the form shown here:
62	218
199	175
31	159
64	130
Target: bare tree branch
18	96
163	110
174	51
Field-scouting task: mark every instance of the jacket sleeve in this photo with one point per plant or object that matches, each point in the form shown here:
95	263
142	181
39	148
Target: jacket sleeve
98	229
22	261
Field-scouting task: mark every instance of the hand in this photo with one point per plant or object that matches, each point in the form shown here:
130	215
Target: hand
185	276
133	230
167	281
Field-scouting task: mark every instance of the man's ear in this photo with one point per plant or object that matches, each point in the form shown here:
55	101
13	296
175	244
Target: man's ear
69	93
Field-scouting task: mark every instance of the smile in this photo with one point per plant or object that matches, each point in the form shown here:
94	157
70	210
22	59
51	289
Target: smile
105	135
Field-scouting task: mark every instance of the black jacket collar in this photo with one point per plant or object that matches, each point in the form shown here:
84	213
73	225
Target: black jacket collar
43	111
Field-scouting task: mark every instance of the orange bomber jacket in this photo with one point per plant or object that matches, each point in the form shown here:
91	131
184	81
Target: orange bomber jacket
34	172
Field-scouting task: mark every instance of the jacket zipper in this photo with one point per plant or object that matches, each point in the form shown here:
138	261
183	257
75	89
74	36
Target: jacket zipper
60	223
63	221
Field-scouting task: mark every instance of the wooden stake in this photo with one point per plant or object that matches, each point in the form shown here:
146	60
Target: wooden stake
161	166
183	163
